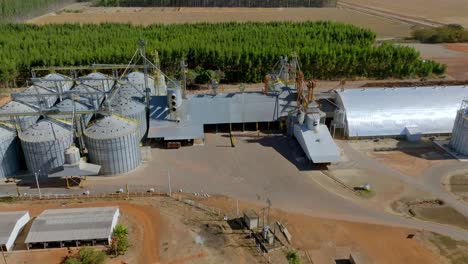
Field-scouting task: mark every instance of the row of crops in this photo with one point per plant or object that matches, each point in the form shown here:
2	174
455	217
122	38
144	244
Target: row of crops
243	51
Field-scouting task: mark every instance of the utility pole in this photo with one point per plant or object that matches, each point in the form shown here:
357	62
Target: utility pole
37	183
183	68
143	54
169	180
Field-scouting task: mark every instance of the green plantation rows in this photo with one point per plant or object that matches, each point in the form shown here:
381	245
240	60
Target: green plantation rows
10	8
244	52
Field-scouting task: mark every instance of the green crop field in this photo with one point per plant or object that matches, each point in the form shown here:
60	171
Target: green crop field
11	8
243	51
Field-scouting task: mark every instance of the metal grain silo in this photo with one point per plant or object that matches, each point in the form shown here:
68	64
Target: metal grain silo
131	109
137	79
459	140
37	96
130	92
56	82
113	143
68	105
44	145
16	107
88	95
9	152
98	80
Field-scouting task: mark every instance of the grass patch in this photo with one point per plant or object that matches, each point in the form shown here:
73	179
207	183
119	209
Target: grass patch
455	251
452	33
442	215
8	199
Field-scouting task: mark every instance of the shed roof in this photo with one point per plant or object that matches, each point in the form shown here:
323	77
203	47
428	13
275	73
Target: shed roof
203	109
317	144
72	224
388	111
8	222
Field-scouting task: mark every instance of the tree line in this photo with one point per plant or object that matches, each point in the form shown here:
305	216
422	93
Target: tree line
244	52
11	8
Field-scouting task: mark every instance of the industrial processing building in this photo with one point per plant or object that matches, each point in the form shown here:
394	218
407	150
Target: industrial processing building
107	117
11	224
404	111
73	227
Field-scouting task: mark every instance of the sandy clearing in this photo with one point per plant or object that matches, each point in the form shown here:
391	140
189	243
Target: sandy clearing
379	243
446	11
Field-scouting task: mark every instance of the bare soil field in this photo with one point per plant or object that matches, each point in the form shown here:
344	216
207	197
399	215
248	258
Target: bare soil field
145	16
412	162
455	56
164	230
311	234
447	11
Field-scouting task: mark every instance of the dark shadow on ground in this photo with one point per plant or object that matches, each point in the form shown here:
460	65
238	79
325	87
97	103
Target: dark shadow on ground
288	147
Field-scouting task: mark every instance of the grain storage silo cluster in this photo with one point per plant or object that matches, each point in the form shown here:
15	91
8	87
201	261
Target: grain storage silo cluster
459	140
9	151
113	143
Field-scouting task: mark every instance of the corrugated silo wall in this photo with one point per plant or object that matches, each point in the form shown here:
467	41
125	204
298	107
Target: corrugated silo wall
45	155
117	155
10	153
459	141
233	3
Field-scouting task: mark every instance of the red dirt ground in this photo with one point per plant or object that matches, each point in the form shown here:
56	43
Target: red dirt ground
148	221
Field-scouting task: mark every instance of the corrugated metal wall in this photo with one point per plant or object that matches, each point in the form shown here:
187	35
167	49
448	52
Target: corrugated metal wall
44	145
459	140
9	152
113	143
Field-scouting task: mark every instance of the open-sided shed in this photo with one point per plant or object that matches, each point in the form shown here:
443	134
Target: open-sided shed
11	224
60	227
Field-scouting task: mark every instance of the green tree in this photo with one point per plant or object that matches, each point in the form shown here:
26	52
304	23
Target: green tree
120	243
87	255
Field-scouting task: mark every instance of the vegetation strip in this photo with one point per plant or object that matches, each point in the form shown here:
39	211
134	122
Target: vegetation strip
243	51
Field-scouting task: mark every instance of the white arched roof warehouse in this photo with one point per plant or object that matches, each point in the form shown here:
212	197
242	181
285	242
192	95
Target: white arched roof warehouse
372	112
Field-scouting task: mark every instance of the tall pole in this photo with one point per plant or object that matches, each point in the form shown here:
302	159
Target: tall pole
143	54
38	187
169	180
183	68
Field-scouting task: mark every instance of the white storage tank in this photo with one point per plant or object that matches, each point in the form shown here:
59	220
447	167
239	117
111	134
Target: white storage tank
16	107
67	106
459	140
113	143
44	145
37	96
9	152
99	81
133	110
